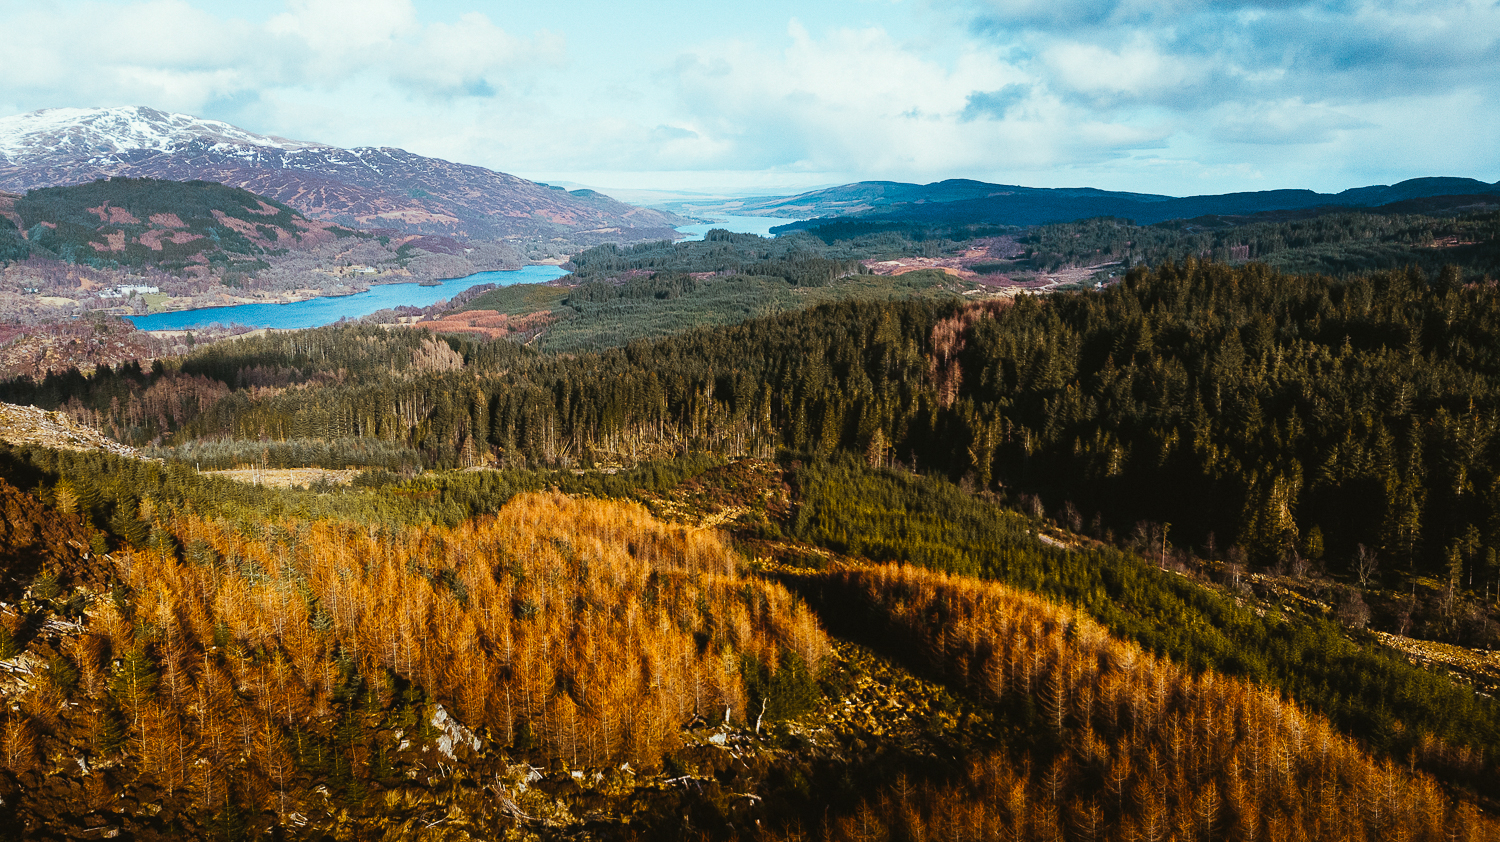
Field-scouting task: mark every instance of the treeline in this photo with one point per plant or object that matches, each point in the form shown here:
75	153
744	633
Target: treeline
145	406
1109	743
113	497
248	677
884	239
109	494
799	260
294	453
617	316
1334	243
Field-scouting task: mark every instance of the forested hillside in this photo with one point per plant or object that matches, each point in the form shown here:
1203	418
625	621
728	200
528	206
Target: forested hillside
169	225
338	663
1216	477
959	202
1113	744
1289	415
240	676
12	245
139	245
620	294
1328	240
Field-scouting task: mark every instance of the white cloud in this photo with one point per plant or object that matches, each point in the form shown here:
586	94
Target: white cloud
339	41
820	103
860	95
1176	96
161	52
1133	72
1288	122
169	54
1346	52
471	54
336	28
1269	91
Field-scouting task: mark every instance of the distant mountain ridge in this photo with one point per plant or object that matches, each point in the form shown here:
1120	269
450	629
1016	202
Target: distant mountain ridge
963	201
865	196
378	187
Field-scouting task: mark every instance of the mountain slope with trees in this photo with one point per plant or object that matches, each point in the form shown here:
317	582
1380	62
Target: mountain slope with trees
318	662
364	187
168	225
1243	402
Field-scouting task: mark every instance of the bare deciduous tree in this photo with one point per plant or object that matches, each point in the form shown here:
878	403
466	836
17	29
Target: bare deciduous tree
1366	565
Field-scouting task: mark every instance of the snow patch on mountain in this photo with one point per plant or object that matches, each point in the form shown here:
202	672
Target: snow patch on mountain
96	132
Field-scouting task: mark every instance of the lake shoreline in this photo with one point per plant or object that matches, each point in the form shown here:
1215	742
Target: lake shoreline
296	296
298	311
316	308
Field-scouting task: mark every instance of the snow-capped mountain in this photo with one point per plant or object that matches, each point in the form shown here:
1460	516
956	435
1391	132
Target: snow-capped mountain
381	187
70	133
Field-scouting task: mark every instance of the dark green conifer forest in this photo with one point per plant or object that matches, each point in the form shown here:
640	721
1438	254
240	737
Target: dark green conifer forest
1296	417
1223	479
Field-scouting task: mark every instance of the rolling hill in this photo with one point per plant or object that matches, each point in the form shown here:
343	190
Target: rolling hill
962	201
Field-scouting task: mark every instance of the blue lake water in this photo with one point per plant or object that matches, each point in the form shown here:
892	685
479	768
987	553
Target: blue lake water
760	225
316	312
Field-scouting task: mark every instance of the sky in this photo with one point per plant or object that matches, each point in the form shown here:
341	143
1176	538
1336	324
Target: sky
1175	96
